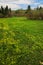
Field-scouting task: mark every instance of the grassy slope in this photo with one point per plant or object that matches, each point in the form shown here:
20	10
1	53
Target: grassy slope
28	27
27	35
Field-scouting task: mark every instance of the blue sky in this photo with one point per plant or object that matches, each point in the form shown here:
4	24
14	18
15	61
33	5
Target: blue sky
21	4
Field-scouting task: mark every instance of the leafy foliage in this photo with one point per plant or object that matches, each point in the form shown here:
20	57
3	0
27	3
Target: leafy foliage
6	12
34	14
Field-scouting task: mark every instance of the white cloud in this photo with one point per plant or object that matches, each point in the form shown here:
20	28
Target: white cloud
17	1
15	4
12	6
24	2
41	5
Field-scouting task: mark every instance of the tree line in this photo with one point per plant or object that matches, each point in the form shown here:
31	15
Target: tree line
5	11
36	13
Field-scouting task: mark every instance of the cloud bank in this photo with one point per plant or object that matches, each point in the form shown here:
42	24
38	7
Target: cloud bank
18	4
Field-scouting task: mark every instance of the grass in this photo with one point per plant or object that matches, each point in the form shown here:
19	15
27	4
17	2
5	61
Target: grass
21	41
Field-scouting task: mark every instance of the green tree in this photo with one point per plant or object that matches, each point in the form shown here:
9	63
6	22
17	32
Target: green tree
29	7
2	10
6	10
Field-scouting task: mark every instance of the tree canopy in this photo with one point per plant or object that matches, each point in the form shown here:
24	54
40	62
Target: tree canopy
5	12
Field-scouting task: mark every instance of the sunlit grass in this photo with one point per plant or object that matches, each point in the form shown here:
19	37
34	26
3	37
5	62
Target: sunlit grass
26	40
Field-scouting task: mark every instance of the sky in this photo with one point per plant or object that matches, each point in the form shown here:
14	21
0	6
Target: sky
21	4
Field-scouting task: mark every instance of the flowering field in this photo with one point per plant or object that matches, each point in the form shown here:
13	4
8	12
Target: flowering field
21	41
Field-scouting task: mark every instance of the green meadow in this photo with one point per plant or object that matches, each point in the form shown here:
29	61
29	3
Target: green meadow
21	41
